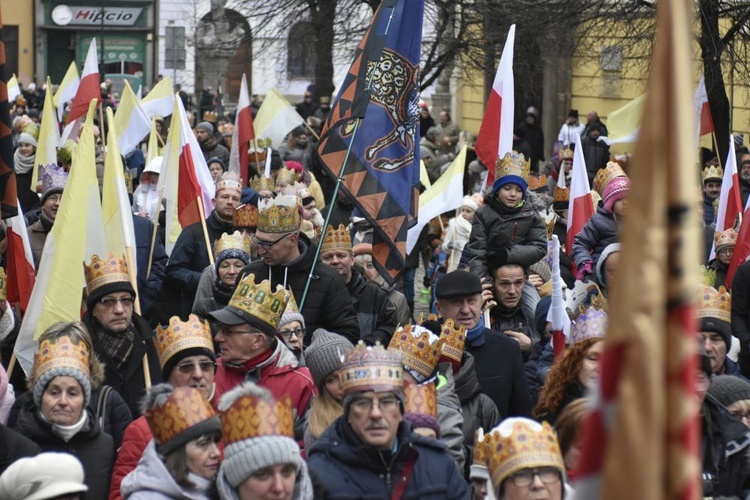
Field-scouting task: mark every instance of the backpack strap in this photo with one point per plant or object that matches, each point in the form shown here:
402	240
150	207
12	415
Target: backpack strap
101	404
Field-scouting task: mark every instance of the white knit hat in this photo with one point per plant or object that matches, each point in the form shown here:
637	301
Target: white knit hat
469	202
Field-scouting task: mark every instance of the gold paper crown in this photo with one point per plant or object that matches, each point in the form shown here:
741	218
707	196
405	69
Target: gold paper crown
591	323
102	272
421	399
606	174
715	304
210	116
181	335
61	353
417	353
291	306
229	180
561	195
258	301
537	182
336	239
724	239
184	408
712	172
262	183
520	443
454	341
261	146
595	199
513	163
482	445
371	369
286	176
235	240
245	216
3	285
565	154
280	215
249	417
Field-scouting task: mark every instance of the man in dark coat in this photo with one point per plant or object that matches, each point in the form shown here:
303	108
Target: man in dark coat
509	316
498	360
14	446
286	258
534	136
743	163
210	148
741	314
149	280
595	151
190	254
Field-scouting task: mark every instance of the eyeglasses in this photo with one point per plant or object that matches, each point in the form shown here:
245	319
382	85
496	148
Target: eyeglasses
365	405
548	475
740	415
110	302
188	368
297	332
505	284
54	198
266	244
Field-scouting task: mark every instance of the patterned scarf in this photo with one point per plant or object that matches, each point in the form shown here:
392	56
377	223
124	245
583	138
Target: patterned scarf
117	345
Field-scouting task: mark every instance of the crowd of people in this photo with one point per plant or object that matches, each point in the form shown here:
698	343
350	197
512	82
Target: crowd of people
261	368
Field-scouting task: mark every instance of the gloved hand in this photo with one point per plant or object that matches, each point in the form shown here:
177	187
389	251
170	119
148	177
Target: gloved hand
584	271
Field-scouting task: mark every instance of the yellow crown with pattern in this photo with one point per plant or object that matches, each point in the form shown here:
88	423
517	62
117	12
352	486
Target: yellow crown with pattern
561	195
513	163
723	239
229	180
286	177
537	182
181	335
280	215
712	173
565	154
421	399
183	408
454	341
210	116
61	353
371	368
713	303
336	238
245	216
262	183
521	443
102	272
250	417
418	353
235	240
258	301
606	174
3	285
482	445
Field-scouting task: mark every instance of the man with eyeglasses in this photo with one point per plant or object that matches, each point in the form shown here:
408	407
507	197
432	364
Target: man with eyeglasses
370	450
53	183
509	316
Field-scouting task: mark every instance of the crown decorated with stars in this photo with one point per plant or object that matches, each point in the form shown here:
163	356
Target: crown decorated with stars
513	163
54	354
482	444
102	272
280	215
606	174
258	301
53	177
421	399
286	176
712	173
245	216
336	238
537	182
561	195
235	240
723	239
418	352
715	304
591	323
183	408
262	183
251	417
229	180
454	341
371	368
565	154
3	285
521	443
181	335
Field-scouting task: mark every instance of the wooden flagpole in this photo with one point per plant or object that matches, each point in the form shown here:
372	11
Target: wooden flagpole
202	213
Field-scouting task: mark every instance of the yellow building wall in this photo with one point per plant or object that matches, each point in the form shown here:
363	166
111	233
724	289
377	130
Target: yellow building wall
21	13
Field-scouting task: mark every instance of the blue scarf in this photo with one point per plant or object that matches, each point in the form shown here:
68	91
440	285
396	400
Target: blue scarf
476	332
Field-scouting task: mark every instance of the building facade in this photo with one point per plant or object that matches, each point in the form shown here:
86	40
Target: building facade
18	35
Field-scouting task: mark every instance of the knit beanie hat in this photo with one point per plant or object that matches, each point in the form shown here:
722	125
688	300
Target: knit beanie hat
617	189
25	138
422	421
469	202
325	353
719	326
232	253
608	250
61	358
206	127
728	389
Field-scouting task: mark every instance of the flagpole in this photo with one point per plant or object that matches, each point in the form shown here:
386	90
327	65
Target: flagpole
317	138
130	258
202	214
101	125
153	243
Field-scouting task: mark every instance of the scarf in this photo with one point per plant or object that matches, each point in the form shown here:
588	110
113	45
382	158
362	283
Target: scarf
118	345
222	292
45	221
66	432
23	164
477	331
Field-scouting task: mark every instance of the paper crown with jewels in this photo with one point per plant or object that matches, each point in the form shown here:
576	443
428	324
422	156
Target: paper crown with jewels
261	145
521	443
180	336
537	182
101	272
280	215
606	174
3	285
336	238
251	417
724	239
210	117
286	176
256	304
561	195
184	408
454	342
262	183
235	240
482	444
53	177
245	216
229	180
712	173
421	399
513	163
715	304
61	353
418	352
565	154
591	323
371	368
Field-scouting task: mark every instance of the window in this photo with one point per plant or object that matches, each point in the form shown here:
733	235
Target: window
300	53
10	37
611	58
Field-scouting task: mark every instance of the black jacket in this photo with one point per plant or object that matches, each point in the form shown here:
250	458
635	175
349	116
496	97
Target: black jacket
515	320
14	446
349	469
93	447
725	449
376	314
477	408
190	257
741	314
327	304
598	232
148	288
596	155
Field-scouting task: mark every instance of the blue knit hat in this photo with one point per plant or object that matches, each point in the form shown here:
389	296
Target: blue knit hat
513	168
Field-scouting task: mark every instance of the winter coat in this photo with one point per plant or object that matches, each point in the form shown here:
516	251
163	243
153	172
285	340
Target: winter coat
136	439
568	132
600	231
449	415
148	287
709	217
398	299
478	410
741	306
376	315
725	449
348	469
93	447
721	272
327	304
596	155
152	481
14	446
215	150
456	237
500	234
189	258
516	319
38	232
